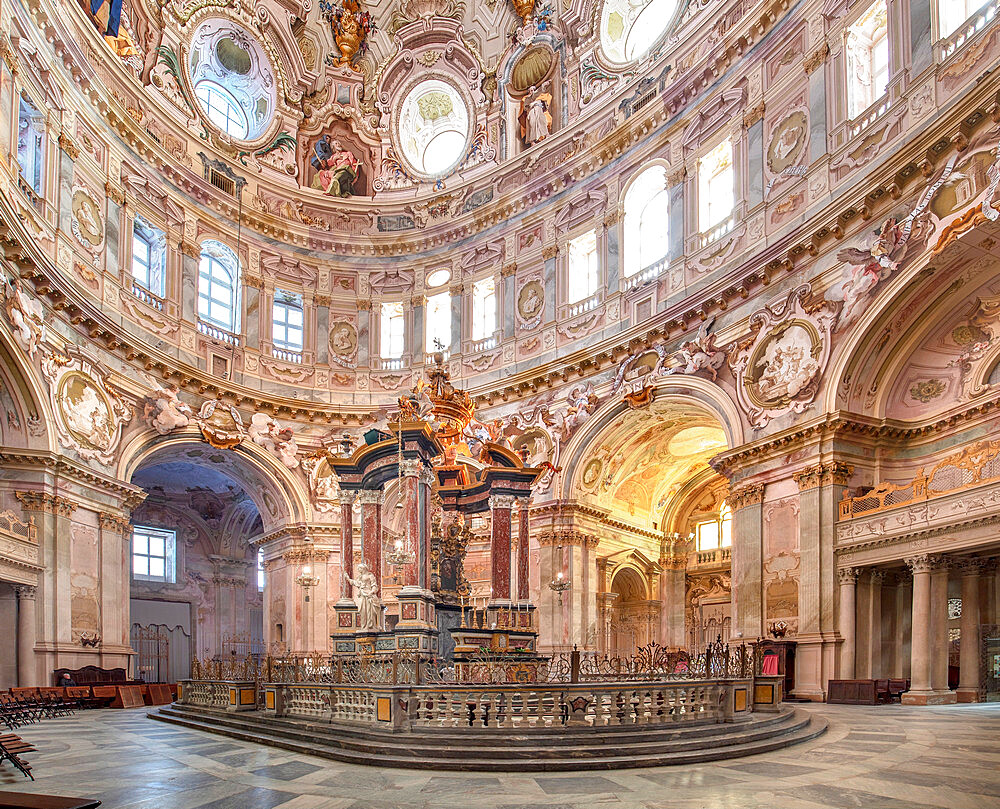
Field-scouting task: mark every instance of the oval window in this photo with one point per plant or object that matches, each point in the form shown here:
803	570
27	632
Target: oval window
630	29
433	128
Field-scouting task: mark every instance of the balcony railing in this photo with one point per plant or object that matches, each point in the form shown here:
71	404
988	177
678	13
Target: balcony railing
646	275
714	556
486	344
585	305
972	26
215	333
285	355
146	296
718	231
389	363
869	116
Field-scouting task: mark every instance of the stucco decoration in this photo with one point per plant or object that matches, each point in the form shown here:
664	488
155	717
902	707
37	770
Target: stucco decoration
343	342
164	411
25	316
991	202
87	223
530	302
778	369
637	372
787	142
324	490
89	412
221	425
699	354
266	432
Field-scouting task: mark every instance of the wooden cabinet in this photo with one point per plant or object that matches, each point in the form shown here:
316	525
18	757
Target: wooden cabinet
784	650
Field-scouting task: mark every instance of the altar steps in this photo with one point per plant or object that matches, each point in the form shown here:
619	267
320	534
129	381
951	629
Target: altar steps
529	750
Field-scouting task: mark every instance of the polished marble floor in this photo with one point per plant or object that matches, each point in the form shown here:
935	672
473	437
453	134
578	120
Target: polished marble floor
890	756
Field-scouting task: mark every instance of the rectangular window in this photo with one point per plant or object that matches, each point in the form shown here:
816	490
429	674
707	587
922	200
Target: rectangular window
708	535
30	144
392	342
867	59
153	554
149	256
287	323
583	274
260	570
716	186
952	13
438	319
484	309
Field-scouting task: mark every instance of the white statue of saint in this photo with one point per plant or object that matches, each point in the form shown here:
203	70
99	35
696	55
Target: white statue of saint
369	603
534	117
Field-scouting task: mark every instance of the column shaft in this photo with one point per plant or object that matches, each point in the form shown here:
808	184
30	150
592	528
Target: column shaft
522	553
968	678
920	651
26	668
500	508
848	619
939	630
346	545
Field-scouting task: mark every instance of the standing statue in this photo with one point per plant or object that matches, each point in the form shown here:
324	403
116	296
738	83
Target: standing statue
534	117
337	168
369	603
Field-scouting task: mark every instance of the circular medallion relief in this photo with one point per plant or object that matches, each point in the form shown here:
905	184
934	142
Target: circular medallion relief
630	29
432	130
343	339
530	300
784	365
88	227
591	472
86	412
787	142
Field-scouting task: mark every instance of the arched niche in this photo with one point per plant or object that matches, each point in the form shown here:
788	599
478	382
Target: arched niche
24	417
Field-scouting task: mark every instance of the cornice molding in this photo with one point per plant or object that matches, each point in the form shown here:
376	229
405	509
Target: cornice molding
59	465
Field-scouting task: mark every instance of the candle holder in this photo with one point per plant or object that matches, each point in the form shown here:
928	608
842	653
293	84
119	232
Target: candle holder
560	584
306	579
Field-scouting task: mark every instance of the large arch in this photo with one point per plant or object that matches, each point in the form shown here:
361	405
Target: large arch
27	396
280	497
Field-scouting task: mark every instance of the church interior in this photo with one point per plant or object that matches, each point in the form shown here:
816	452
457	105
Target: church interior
499	403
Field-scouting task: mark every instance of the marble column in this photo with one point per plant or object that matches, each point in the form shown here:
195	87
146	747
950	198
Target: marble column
323	329
523	594
256	302
755	163
939	627
500	508
190	260
364	333
848	578
924	628
817	111
612	252
456	319
921	45
418	306
509	301
550	254
871	632
411	521
27	670
746	503
346	544
968	661
371	531
675	225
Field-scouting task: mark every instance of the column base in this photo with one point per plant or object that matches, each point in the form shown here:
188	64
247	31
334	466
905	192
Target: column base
967	694
943	697
809	694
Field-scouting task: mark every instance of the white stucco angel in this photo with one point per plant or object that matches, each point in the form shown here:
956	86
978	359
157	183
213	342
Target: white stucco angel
534	117
164	411
25	315
279	441
369	602
699	354
869	266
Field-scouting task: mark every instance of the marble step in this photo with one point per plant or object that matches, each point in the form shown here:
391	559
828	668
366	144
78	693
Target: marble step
525	737
398	750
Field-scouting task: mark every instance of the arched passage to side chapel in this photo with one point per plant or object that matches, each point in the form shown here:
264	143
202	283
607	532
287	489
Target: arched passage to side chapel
637	486
233	529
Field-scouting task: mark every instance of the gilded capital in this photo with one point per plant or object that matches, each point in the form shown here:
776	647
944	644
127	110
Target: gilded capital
191	249
550	252
816	58
508	270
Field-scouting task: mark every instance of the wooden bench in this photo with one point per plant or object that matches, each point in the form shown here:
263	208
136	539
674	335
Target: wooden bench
93	675
852	692
11	748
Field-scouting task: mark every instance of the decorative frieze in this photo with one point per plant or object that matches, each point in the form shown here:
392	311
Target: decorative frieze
823	474
305	555
573	539
48	503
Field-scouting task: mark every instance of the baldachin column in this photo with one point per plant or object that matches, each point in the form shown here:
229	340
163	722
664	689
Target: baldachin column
500	508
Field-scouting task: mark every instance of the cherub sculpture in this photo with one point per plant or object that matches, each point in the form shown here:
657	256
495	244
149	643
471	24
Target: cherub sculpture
164	411
869	266
699	354
25	316
280	442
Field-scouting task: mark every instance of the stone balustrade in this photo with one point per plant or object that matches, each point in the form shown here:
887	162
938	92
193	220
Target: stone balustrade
518	707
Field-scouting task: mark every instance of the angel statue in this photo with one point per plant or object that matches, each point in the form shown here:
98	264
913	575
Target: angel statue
416	405
164	411
534	117
337	168
869	266
699	354
369	602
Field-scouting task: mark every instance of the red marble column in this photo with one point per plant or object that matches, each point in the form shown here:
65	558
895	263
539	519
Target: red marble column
371	531
522	551
500	507
346	542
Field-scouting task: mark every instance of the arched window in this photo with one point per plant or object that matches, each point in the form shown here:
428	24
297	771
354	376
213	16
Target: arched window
647	208
438	318
716	186
484	309
867	59
219	286
149	256
260	570
726	521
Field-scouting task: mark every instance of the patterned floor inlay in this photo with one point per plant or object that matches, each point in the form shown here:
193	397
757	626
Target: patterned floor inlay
890	757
